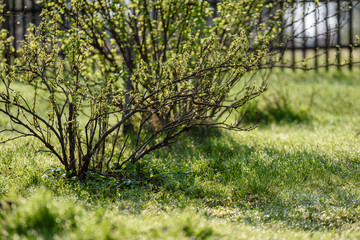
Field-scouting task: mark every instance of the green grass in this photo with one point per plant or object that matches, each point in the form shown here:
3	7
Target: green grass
294	177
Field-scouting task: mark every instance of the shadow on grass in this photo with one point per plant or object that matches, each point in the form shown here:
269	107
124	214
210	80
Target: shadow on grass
280	113
209	169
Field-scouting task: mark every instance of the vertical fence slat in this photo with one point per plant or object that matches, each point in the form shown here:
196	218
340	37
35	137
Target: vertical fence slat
338	33
31	12
282	33
304	31
327	41
213	5
316	37
23	19
293	39
14	23
351	37
7	26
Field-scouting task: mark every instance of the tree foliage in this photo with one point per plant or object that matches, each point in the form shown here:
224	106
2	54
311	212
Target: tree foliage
92	68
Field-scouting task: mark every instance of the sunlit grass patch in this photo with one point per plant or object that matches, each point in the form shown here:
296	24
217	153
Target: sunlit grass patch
44	217
283	180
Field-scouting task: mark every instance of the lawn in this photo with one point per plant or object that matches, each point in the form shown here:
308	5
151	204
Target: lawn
296	176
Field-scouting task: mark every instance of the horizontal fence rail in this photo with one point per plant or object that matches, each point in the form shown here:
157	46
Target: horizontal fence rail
321	34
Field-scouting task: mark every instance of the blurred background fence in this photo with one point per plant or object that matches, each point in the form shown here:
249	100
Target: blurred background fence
319	34
18	14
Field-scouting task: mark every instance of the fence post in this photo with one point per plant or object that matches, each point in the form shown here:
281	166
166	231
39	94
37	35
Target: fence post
213	4
23	19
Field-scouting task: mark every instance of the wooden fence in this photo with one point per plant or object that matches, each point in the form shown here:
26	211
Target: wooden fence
323	34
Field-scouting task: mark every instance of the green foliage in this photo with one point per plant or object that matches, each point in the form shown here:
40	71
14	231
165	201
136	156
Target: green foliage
102	84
